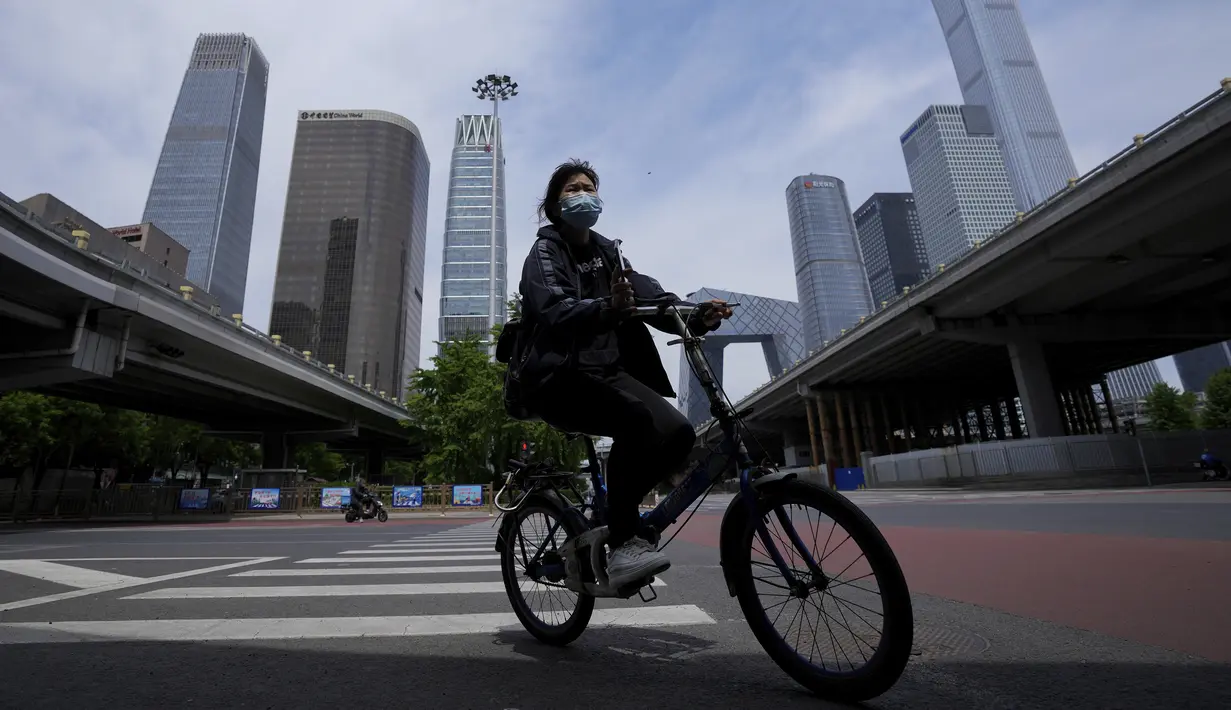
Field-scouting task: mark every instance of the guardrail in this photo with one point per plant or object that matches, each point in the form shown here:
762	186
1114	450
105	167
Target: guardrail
158	502
184	299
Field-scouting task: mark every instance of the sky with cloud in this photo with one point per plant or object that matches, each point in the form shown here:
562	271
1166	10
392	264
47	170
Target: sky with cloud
696	113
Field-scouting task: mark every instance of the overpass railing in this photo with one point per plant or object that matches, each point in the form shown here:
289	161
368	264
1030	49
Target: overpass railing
1139	141
1163	455
185	300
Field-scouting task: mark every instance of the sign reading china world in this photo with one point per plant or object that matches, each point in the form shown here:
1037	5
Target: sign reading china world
335	497
330	115
408	496
264	498
468	496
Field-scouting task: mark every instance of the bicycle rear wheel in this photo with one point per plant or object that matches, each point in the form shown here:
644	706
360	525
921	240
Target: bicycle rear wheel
533	570
859	669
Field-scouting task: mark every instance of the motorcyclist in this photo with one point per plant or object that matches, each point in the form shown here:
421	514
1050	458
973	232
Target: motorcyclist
1213	464
588	368
359	495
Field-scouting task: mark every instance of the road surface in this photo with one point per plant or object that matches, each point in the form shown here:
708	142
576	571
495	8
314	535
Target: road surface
1075	600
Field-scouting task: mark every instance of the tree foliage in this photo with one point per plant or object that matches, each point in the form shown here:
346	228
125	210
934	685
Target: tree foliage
1169	409
39	433
458	409
1217	412
319	461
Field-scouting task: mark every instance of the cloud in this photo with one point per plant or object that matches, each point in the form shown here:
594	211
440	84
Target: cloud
696	114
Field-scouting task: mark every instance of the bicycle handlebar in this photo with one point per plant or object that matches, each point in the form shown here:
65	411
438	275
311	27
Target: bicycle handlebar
651	307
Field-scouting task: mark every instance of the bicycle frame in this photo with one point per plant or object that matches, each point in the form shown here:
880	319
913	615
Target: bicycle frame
703	475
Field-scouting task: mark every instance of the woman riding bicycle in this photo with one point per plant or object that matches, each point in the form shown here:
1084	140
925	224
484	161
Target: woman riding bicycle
589	368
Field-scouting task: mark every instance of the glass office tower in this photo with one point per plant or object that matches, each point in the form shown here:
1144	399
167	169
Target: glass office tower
962	192
996	67
829	271
1198	365
473	269
204	189
891	240
349	282
1134	382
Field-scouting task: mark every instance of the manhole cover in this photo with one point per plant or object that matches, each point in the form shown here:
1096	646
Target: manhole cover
939	642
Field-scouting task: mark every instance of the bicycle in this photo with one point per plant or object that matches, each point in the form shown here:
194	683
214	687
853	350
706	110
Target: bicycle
572	558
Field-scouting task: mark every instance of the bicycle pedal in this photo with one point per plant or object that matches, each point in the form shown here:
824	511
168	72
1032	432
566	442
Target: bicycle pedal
653	594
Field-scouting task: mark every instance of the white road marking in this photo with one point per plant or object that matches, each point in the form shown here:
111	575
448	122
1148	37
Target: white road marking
36	601
400	558
67	575
324	590
343	571
330	627
136	559
440	544
419	551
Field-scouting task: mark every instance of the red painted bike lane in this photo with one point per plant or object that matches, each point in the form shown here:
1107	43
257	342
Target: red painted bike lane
1164	592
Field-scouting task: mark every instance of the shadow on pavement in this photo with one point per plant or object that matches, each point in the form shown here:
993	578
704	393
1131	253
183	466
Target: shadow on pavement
607	669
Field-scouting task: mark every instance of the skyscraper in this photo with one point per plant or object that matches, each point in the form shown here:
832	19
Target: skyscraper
204	188
772	322
891	240
1198	365
996	67
1134	382
349	282
467	278
829	272
961	189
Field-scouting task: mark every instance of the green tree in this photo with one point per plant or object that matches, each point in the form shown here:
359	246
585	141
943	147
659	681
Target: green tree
1217	412
210	452
319	461
1169	409
171	443
458	411
27	429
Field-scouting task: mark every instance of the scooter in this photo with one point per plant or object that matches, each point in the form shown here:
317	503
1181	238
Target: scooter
372	508
1212	470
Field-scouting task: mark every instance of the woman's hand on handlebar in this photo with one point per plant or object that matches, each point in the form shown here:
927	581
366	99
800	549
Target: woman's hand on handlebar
715	314
622	297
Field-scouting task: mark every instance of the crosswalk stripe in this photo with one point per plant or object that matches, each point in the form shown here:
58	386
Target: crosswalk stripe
431	544
66	575
418	551
344	571
325	627
397	558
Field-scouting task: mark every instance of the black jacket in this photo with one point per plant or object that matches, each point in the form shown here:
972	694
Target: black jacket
554	315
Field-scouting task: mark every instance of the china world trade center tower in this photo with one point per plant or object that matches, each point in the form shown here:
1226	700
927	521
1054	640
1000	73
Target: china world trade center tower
204	189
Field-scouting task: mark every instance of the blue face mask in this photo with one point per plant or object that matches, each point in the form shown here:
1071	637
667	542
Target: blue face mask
581	210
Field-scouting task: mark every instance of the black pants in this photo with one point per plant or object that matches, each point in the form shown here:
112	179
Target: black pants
650	438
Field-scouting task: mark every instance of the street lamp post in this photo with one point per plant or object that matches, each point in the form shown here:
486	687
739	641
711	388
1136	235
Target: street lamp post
494	88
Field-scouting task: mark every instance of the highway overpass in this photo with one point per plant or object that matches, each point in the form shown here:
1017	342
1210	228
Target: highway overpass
1131	262
81	325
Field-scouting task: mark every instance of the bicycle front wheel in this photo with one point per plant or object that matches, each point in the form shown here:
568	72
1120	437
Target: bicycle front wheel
532	565
845	635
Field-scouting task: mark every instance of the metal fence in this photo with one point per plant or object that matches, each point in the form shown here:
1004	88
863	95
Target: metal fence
155	502
1095	455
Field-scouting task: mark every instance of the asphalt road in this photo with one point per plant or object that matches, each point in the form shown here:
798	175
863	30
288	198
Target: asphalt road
1108	600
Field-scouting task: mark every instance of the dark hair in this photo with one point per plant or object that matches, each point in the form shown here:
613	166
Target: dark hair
549	206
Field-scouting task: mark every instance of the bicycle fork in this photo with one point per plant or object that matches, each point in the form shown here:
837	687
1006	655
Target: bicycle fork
798	588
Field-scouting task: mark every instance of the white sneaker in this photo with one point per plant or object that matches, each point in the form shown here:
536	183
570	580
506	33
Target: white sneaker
634	560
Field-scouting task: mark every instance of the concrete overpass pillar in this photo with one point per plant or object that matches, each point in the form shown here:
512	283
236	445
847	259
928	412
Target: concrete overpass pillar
869	424
1034	387
830	450
275	450
813	440
1111	409
852	415
887	420
843	436
906	424
982	412
374	465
